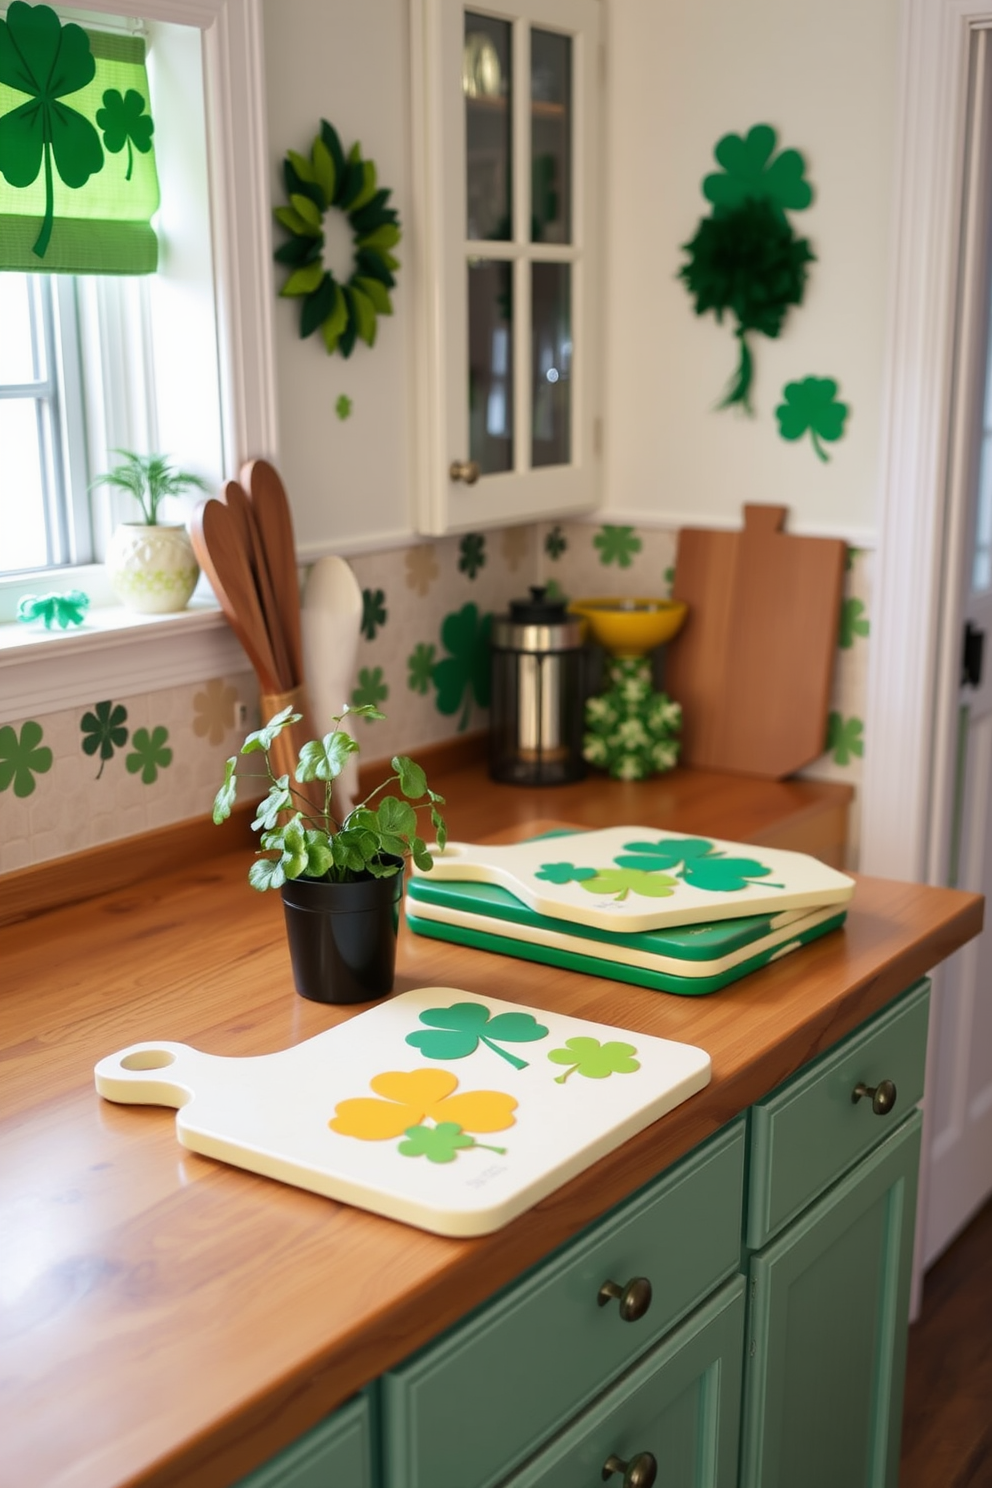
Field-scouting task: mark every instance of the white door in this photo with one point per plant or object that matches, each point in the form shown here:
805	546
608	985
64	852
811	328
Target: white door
506	103
957	1164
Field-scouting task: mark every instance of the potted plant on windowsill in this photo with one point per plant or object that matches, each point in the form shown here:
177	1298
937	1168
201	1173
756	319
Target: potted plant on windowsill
150	564
341	882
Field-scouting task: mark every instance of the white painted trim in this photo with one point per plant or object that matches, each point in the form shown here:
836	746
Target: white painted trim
855	537
906	643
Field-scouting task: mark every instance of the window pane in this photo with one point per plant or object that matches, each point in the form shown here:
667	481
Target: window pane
486	83
490	364
21	350
551	343
551	137
22	503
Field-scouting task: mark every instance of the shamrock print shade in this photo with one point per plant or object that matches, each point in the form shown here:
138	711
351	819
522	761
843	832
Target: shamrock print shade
458	1146
636	879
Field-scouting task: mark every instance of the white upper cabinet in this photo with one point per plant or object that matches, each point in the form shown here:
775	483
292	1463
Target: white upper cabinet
507	112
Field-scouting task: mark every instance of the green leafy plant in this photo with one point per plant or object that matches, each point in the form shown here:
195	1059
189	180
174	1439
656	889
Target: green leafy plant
302	841
149	479
456	1032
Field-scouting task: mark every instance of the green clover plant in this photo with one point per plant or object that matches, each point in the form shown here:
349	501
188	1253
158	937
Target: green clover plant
300	840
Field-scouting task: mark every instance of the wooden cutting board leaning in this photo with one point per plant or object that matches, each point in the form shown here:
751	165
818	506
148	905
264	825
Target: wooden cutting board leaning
753	664
440	1108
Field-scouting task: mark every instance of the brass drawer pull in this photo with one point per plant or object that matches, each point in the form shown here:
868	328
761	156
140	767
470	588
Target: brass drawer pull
883	1096
465	470
634	1298
639	1472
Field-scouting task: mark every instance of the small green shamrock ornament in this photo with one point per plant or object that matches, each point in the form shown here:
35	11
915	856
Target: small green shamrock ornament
55	609
812	405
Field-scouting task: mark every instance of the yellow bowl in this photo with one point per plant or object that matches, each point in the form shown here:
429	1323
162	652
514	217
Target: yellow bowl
631	627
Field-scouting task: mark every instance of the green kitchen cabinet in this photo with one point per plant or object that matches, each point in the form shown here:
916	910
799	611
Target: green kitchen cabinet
337	1453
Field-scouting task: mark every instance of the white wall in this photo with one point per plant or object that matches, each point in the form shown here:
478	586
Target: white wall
681	74
346	61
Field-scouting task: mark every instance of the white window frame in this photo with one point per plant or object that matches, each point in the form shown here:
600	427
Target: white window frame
42	671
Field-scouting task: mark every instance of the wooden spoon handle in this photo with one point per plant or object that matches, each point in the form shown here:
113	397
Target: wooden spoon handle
235	497
217	546
274	519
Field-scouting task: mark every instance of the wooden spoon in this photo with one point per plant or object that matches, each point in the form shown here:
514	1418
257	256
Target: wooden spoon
274	519
216	541
235	497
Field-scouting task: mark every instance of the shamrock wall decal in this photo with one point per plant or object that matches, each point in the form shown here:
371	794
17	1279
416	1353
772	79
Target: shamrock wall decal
48	61
812	405
23	757
464	673
124	122
596	1061
457	1031
103	729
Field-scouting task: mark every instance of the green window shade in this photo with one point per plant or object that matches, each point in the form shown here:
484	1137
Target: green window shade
78	184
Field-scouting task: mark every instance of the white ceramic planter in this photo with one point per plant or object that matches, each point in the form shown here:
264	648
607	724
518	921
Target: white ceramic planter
152	569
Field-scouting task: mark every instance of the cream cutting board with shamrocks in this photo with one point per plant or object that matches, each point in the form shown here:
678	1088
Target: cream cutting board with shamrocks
445	1110
639	878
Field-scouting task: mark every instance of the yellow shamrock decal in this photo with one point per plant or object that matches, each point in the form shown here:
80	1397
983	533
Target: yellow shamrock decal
407	1097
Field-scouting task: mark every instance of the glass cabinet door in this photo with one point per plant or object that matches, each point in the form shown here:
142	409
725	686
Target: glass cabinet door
510	115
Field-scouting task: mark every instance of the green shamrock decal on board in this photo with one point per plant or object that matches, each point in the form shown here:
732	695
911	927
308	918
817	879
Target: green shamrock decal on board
696	862
562	873
441	1143
750	173
150	753
457	1031
104	730
617	883
21	759
124	122
812	405
587	1056
48	61
464	673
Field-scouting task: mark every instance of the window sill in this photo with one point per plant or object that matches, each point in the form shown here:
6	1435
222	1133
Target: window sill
113	654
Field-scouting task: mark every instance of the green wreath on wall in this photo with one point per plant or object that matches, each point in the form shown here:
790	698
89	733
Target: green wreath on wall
331	181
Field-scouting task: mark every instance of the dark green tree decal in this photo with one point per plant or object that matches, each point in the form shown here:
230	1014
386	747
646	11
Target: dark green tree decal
373	612
696	861
23	757
812	406
464	673
124	122
457	1031
48	61
104	730
441	1143
596	1061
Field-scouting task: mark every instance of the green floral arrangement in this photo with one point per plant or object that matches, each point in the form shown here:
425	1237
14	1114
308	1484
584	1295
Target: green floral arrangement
149	479
746	259
301	841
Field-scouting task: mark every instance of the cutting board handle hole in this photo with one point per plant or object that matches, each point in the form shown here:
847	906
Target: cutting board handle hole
146	1059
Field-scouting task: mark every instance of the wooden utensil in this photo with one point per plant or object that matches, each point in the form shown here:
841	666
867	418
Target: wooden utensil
331	618
215	534
753	664
236	498
274	519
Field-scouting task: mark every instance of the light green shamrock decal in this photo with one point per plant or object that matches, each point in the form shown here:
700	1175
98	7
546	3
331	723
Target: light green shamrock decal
104	729
457	1031
844	738
21	759
617	883
441	1143
464	673
812	405
701	865
587	1056
852	623
371	690
617	545
751	174
62	610
48	61
124	122
420	665
150	753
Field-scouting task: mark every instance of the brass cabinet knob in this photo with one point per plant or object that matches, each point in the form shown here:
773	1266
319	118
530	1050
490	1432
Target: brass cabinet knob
465	470
882	1096
639	1472
634	1298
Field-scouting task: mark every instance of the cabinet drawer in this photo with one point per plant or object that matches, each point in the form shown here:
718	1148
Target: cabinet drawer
473	1405
809	1132
681	1405
335	1454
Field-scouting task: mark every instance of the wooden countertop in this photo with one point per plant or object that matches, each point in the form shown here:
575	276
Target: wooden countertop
167	1319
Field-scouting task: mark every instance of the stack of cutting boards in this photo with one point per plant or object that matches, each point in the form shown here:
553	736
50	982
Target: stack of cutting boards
657	909
753	664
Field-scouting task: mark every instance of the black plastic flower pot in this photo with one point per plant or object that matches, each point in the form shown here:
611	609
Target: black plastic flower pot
342	936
